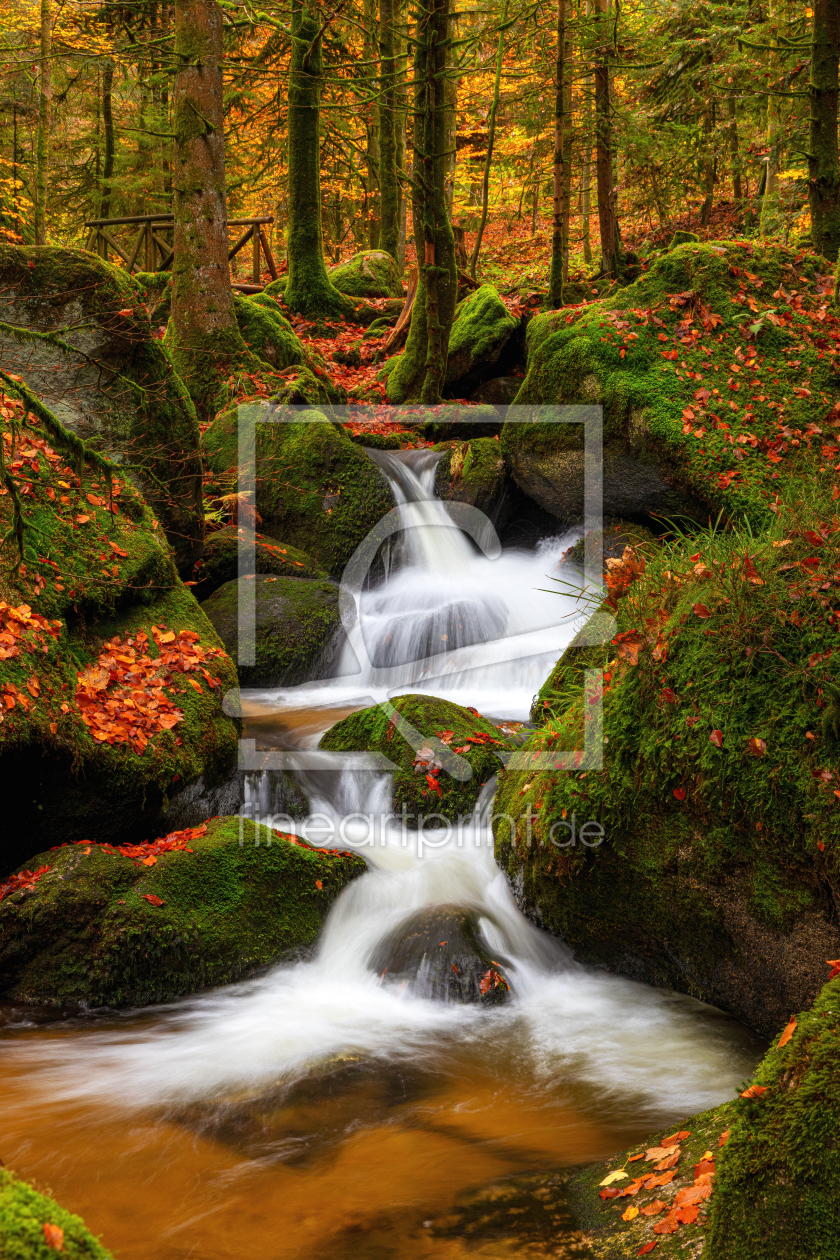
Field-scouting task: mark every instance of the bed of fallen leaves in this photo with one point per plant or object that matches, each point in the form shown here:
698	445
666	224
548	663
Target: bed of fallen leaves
121	695
22	630
24	880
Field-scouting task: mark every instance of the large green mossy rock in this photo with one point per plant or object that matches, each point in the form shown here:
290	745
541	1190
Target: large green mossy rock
88	578
315	488
481	331
370	274
409	733
472	472
88	932
267	332
295	625
225	551
111	381
671	359
721	833
24	1212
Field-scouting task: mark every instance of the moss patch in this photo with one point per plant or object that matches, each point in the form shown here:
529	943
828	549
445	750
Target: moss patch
378	730
370	274
265	331
296	621
222	557
24	1211
239	901
481	330
315	488
472	472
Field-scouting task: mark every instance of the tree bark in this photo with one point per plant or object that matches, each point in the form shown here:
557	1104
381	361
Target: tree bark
491	136
734	154
370	53
389	189
607	216
108	133
708	165
203	332
309	290
42	152
823	163
554	297
419	373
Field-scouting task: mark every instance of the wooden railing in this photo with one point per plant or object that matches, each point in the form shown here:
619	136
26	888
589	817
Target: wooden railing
151	250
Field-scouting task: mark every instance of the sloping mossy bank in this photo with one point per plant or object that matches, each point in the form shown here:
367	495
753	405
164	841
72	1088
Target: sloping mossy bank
227	548
88	576
775	1183
240	900
25	1211
91	357
314	487
710	369
718	871
460	764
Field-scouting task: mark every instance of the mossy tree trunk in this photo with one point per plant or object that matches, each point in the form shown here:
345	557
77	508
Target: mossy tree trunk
389	189
823	163
734	154
108	135
554	297
370	55
491	138
42	150
607	215
203	332
708	164
308	290
420	371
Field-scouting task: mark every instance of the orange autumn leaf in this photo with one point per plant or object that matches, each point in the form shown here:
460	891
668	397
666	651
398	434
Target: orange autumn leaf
654	1208
669	1225
687	1215
643	1251
630	1214
716	738
724	1137
677	1137
152	899
54	1237
757	747
754	1091
149	861
668	1162
319	884
789	1030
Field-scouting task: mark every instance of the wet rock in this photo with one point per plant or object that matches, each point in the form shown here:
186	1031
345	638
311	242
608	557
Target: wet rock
296	624
222	558
105	928
499	391
442	955
28	1218
473	472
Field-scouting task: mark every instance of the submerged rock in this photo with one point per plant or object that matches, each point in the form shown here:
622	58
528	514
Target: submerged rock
315	488
110	379
130	925
33	1225
296	624
445	754
222	558
369	274
442	955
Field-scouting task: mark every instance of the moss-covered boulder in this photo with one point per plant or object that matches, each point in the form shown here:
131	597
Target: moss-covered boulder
34	1227
710	860
296	621
94	362
369	274
440	953
306	384
156	288
691	365
267	332
472	472
130	925
111	677
315	488
223	555
481	333
445	754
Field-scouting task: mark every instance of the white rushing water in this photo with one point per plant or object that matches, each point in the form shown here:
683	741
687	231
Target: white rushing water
600	1035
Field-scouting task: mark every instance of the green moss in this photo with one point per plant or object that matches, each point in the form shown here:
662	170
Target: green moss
777	1190
24	1211
481	330
369	274
237	903
471	472
684	238
266	332
315	488
296	620
221	560
375	730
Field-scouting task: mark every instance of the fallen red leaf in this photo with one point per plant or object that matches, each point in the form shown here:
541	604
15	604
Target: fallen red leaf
54	1237
654	1208
679	793
152	899
643	1251
319	884
700	610
716	738
790	1029
754	1091
724	1138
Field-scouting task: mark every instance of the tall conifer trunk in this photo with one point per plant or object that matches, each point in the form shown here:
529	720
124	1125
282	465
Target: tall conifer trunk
823	163
42	152
554	297
419	373
389	189
607	217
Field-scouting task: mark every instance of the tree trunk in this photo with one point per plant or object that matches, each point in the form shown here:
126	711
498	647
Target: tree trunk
389	188
708	165
491	136
371	73
554	297
567	164
586	179
419	373
42	153
108	130
734	154
308	290
450	98
203	332
823	165
607	217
